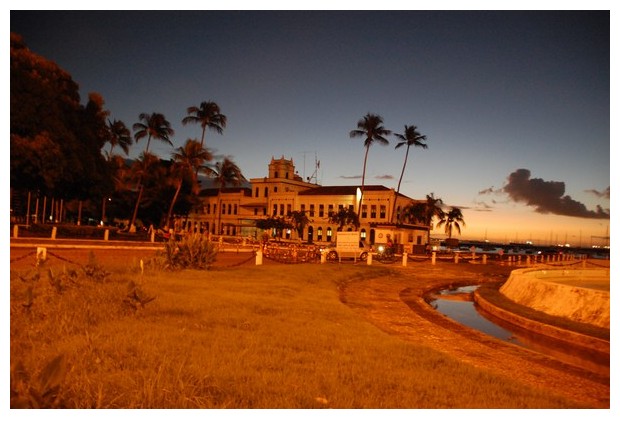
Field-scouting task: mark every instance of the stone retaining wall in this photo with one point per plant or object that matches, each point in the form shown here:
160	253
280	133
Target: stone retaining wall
563	293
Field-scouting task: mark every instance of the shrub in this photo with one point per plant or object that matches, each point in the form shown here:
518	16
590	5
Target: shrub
191	251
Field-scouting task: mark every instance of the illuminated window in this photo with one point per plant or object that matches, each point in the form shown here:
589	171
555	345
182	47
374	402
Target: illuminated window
373	211
364	211
382	212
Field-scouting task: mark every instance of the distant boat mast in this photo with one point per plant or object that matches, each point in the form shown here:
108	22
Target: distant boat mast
315	174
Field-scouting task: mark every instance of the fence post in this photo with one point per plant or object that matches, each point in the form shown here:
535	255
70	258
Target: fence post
369	259
41	254
404	259
54	229
484	258
153	235
456	258
323	257
106	235
434	258
259	257
15	231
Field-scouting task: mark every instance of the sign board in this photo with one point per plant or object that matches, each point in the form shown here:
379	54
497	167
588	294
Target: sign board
347	242
381	235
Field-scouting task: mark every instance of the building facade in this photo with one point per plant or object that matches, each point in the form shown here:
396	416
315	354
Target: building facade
234	211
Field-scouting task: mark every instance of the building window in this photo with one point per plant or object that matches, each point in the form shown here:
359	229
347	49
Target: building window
364	211
235	209
229	208
256	192
266	192
330	210
289	209
275	210
223	208
255	212
363	235
321	210
373	211
275	174
329	233
303	208
350	206
264	211
281	209
311	210
275	189
319	233
382	212
286	175
208	208
340	207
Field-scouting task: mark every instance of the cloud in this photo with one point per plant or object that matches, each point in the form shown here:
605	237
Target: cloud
601	194
384	177
547	197
350	177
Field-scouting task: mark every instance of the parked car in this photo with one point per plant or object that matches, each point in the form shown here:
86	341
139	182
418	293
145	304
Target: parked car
332	253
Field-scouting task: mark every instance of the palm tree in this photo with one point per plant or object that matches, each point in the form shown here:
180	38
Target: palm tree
452	220
119	135
425	212
141	168
187	159
298	220
344	217
226	173
411	138
371	128
153	126
208	116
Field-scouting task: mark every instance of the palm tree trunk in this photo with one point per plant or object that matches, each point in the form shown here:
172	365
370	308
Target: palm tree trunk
174	200
135	210
402	173
148	142
202	139
359	206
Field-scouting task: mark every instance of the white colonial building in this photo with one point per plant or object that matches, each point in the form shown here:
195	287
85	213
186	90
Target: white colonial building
283	191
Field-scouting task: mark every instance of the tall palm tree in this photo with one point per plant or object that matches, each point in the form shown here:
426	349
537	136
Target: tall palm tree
425	213
411	138
141	168
188	159
452	220
153	126
371	128
119	135
298	220
208	115
226	173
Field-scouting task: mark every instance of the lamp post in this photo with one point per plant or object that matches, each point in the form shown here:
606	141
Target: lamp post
105	199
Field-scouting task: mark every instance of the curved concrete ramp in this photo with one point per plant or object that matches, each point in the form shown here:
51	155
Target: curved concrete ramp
581	295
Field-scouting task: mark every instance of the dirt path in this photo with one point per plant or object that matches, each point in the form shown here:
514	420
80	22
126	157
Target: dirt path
395	304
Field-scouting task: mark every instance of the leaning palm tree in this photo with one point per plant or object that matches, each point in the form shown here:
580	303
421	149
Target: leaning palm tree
153	126
188	160
226	173
118	135
371	128
143	166
208	115
411	138
452	220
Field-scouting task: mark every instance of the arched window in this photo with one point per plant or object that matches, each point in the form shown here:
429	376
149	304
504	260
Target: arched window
363	235
319	233
329	233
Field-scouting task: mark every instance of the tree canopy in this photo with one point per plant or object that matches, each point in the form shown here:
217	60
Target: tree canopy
55	140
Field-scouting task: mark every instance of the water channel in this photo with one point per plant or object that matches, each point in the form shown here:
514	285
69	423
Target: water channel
458	305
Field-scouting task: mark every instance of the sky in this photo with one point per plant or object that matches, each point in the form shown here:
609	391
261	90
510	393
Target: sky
515	104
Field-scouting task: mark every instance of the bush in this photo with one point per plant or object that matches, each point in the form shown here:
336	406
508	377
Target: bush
191	251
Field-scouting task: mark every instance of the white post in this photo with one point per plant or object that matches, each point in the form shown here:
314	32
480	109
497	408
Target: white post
54	233
369	259
484	259
434	258
259	257
41	254
405	259
106	235
15	231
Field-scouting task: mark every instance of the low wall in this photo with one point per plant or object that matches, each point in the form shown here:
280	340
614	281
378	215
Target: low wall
581	295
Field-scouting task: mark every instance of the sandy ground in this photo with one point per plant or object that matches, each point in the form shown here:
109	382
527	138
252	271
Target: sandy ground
395	304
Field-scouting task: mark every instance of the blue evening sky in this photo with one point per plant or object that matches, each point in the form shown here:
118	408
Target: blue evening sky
494	92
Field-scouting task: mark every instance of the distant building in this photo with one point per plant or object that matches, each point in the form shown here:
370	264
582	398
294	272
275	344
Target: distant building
237	209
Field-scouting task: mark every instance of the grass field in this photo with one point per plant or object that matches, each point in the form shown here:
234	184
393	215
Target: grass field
251	337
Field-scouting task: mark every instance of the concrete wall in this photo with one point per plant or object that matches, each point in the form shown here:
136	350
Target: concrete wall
579	295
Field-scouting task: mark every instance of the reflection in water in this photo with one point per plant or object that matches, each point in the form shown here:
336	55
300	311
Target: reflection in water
465	312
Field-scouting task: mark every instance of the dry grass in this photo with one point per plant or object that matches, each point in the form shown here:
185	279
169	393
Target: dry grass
259	337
